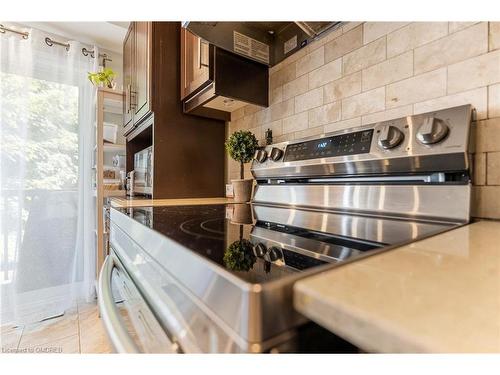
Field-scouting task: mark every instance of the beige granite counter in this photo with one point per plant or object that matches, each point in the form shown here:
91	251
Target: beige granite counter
138	202
441	294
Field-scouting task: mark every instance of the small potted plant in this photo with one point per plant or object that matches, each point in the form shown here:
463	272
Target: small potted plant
103	78
241	146
239	256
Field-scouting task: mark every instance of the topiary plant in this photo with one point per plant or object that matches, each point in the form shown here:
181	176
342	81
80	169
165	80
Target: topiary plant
239	256
105	77
241	146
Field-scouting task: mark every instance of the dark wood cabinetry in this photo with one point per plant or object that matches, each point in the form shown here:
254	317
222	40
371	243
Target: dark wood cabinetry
141	93
216	82
128	56
188	151
137	74
194	63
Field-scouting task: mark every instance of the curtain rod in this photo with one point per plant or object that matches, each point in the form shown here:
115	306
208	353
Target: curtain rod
85	51
4	29
50	42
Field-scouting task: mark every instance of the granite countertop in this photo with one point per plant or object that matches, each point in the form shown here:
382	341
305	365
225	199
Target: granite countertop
139	202
440	294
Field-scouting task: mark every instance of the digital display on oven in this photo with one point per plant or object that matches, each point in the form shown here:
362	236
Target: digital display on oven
338	145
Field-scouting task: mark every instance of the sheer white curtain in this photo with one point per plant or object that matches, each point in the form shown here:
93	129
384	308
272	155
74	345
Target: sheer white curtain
47	138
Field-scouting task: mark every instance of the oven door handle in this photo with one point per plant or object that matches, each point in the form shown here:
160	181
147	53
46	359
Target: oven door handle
117	333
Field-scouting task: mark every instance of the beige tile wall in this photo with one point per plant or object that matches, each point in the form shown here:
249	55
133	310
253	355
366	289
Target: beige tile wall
373	71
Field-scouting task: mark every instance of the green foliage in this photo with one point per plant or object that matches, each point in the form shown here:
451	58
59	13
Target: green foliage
39	137
104	77
239	256
241	146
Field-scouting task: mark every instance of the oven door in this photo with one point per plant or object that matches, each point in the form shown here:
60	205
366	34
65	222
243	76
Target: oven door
128	320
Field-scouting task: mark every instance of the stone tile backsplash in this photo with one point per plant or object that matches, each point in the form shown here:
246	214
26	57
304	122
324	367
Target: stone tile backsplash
366	72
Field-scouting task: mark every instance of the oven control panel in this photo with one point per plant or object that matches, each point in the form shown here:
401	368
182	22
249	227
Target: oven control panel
432	141
338	145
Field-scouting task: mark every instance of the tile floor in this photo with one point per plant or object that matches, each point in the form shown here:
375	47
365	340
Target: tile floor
78	331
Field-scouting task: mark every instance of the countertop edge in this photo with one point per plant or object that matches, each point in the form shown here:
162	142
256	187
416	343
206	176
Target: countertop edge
459	263
343	320
142	202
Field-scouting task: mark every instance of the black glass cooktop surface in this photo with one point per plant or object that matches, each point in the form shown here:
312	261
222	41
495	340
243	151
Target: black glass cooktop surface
255	250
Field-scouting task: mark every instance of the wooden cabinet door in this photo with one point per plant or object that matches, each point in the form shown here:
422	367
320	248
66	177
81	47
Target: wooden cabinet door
128	58
195	69
141	94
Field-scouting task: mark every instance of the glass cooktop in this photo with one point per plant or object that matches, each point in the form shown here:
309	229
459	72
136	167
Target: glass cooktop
236	237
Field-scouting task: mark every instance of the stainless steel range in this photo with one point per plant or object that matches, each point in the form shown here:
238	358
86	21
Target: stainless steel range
219	278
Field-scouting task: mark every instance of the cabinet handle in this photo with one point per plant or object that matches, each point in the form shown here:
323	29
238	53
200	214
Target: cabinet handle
127	99
201	63
132	93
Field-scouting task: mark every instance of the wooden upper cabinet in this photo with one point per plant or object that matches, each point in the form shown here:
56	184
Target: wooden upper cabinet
128	47
137	74
195	66
142	91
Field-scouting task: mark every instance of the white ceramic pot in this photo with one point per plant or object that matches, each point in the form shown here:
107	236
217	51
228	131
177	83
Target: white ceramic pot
242	190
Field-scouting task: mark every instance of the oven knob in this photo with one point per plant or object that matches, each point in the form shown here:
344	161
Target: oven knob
431	131
274	254
276	154
260	250
260	156
390	137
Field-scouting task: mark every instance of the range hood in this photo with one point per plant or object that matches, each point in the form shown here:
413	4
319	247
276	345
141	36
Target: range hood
265	42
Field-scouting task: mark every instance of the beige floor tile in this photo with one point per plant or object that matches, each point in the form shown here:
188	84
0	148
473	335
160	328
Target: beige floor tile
93	338
7	328
81	324
79	330
86	310
66	345
50	330
10	337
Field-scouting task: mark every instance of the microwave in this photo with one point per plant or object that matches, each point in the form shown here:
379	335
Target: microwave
143	167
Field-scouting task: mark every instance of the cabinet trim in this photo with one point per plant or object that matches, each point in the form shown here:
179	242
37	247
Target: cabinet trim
196	71
131	111
128	117
146	108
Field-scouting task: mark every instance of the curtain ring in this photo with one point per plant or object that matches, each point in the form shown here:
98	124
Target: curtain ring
51	42
86	52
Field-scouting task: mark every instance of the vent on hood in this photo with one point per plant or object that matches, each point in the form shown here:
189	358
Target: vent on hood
265	42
